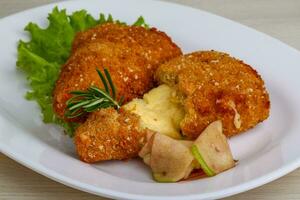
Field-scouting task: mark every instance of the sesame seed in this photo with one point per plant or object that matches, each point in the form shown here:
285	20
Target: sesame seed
130	70
93	36
214	61
101	147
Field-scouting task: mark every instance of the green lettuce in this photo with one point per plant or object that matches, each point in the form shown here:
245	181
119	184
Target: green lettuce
41	58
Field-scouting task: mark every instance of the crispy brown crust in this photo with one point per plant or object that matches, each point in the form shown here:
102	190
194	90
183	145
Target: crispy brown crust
208	82
156	45
130	53
109	135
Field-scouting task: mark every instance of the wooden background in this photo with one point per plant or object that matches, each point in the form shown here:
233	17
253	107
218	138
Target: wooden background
278	18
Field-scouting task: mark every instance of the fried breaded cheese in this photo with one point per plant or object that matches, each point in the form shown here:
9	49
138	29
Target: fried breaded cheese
213	86
208	85
130	53
156	46
109	135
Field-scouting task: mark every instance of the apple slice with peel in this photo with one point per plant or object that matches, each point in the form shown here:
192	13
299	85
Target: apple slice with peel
203	165
212	150
170	159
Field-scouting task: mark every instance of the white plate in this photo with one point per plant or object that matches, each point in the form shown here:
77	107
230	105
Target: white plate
265	153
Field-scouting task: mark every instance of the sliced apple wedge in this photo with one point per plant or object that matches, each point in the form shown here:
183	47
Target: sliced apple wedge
169	159
172	160
212	150
208	171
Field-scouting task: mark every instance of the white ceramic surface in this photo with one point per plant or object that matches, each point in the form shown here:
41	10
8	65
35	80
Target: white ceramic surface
265	153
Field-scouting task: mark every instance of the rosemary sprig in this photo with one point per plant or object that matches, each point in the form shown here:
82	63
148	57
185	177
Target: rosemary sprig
94	98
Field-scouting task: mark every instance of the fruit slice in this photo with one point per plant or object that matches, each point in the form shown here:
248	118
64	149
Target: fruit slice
170	159
212	150
199	158
145	152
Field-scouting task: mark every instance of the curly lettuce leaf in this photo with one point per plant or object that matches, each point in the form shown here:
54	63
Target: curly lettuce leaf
141	22
41	58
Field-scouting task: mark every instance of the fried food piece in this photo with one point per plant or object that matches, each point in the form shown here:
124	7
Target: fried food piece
155	46
214	86
110	135
79	73
130	53
209	86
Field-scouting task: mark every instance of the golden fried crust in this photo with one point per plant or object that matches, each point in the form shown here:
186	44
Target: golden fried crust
131	54
156	46
127	72
212	85
109	135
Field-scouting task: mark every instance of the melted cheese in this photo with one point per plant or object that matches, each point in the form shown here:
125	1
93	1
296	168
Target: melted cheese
158	111
237	118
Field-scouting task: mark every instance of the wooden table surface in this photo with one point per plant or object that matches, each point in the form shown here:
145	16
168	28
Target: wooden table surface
280	19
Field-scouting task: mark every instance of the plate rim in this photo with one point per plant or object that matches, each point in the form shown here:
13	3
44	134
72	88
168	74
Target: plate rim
268	177
256	182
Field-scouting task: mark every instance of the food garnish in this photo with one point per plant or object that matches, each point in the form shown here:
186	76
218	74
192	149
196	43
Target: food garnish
41	58
169	159
201	161
141	22
173	160
94	98
212	150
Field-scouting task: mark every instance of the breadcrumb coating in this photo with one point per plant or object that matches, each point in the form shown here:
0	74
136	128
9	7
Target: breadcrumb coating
110	135
210	86
155	46
130	53
213	86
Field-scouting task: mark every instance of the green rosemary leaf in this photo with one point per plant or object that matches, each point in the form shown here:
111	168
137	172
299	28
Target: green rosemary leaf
107	104
94	98
78	92
93	103
74	114
80	104
103	80
75	99
101	93
113	89
92	109
121	100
